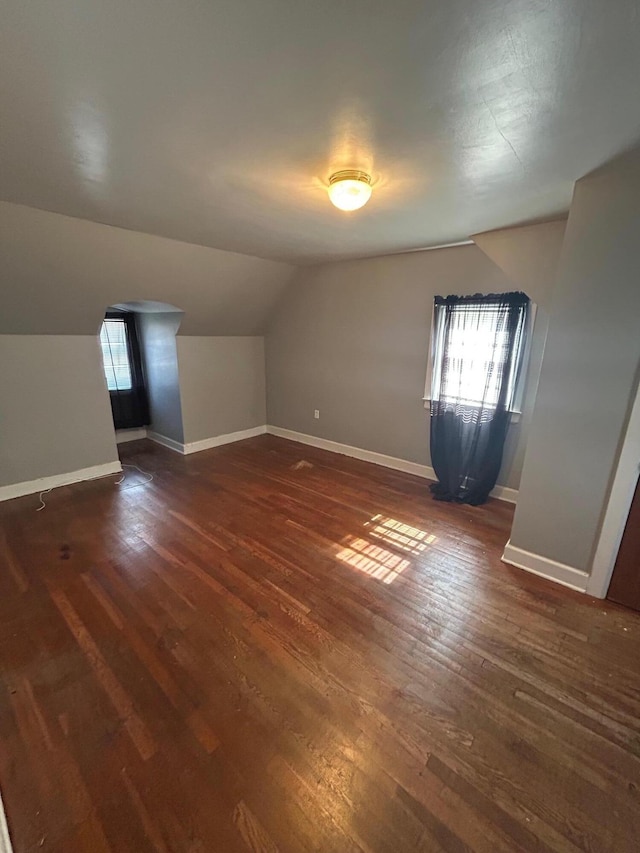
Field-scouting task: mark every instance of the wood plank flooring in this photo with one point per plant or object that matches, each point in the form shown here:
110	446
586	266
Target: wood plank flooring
274	648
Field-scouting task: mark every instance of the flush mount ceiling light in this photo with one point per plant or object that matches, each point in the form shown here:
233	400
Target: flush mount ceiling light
350	189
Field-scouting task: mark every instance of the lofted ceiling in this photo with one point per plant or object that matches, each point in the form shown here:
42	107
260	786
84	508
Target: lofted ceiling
58	275
218	122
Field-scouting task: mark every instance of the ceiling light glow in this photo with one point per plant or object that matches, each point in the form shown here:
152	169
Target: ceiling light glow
350	189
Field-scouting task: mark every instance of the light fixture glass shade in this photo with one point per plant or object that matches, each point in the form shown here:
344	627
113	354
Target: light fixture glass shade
350	189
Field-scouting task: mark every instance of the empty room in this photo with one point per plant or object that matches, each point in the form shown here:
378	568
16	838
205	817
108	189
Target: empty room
320	426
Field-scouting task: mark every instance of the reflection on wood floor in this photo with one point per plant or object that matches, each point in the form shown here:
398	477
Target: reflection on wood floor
274	648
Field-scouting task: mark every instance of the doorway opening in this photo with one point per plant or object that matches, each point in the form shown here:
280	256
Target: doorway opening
624	587
137	342
619	522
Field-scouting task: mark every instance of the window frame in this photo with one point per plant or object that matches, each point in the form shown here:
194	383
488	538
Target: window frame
129	407
522	369
113	317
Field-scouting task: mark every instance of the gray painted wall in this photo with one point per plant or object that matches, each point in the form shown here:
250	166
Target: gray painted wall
58	274
529	256
55	415
159	353
351	339
201	387
589	373
222	384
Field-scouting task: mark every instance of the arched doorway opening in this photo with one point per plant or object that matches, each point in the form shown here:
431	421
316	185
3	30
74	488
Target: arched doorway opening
137	340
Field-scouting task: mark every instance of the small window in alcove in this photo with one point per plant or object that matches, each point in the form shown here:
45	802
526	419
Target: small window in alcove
123	370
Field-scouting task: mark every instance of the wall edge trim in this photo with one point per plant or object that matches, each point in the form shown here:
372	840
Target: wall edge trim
545	567
165	441
225	438
617	507
205	443
31	487
5	839
502	493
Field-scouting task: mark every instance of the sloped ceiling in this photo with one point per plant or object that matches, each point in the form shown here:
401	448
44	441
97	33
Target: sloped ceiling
529	256
59	274
219	123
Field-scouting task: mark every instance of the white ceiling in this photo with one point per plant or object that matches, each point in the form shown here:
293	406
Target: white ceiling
219	121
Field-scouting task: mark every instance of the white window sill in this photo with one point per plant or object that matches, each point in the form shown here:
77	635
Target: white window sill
515	415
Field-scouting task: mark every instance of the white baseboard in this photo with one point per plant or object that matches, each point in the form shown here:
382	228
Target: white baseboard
165	442
500	492
545	568
124	435
31	487
504	493
228	438
205	443
355	452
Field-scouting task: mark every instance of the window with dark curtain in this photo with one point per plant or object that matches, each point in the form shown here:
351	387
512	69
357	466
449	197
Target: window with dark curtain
478	350
123	370
477	358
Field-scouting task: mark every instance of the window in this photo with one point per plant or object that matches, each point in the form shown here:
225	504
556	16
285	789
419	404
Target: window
467	368
123	369
115	355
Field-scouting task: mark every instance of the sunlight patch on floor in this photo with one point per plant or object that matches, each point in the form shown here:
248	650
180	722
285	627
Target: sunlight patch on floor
373	560
400	535
380	562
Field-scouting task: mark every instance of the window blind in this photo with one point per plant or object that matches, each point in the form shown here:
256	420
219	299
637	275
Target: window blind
115	355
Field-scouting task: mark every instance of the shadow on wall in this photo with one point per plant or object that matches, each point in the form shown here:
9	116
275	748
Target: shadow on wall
139	353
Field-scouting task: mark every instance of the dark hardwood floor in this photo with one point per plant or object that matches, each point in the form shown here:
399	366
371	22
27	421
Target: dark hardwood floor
274	648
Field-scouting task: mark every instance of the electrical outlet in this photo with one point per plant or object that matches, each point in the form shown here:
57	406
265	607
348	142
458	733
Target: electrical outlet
316	413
